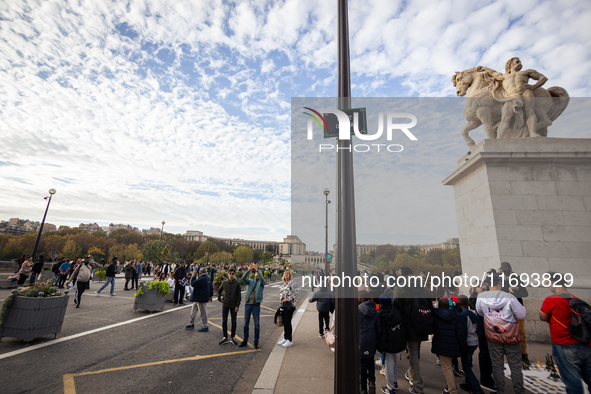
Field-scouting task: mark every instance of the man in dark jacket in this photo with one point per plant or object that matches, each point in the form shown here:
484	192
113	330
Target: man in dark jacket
325	304
179	287
468	326
202	294
392	340
445	340
369	330
110	277
37	268
229	295
403	300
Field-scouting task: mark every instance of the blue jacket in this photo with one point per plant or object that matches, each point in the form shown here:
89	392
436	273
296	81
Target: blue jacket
445	339
369	329
256	285
325	300
202	288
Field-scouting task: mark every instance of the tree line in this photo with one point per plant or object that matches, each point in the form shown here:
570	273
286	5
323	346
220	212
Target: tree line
390	257
126	245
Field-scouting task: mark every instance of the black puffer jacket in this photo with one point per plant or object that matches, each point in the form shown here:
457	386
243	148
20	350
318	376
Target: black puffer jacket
392	337
324	300
369	329
445	339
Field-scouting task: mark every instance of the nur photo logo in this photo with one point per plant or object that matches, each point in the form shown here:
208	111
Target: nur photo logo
345	123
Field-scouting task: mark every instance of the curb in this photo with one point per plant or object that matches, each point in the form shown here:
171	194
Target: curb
270	373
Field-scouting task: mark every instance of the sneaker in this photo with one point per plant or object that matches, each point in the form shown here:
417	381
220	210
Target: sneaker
96	293
489	388
190	326
445	390
256	345
287	344
243	344
77	306
386	390
224	341
174	304
181	303
203	329
407	376
383	371
466	388
379	362
113	294
457	372
281	342
233	341
413	391
321	336
438	361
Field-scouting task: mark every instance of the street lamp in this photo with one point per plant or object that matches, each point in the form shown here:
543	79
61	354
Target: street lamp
161	231
326	263
51	193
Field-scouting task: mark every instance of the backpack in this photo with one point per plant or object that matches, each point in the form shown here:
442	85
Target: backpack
421	316
56	267
580	328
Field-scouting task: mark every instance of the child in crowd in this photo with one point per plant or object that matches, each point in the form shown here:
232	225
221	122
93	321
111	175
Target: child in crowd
468	322
445	341
369	329
325	304
392	340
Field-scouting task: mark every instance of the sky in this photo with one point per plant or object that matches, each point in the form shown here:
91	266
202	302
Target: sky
142	111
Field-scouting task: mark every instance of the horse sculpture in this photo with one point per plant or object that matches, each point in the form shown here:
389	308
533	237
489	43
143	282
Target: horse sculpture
485	100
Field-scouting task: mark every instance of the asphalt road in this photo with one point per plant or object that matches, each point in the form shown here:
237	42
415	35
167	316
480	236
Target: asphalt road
151	354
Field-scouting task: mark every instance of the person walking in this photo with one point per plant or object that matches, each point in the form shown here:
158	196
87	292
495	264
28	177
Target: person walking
179	286
56	271
572	357
137	273
288	293
445	342
230	296
63	273
392	340
129	273
500	311
325	304
252	304
468	326
369	331
110	277
81	276
202	294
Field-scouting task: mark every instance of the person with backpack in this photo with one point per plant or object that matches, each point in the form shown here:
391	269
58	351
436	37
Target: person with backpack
81	276
325	304
36	271
500	311
468	327
520	292
451	296
415	304
56	271
392	340
572	355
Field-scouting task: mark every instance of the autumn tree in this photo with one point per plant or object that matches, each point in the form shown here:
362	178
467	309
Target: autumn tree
243	254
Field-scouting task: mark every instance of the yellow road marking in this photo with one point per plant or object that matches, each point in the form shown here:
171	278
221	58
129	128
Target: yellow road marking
271	309
238	317
69	387
220	327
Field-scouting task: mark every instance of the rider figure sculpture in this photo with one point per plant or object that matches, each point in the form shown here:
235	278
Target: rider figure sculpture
515	84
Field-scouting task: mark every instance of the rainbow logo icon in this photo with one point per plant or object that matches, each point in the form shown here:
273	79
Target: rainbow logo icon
316	119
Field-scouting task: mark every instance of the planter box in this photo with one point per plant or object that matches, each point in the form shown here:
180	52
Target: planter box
6	283
170	296
150	301
96	278
273	278
29	318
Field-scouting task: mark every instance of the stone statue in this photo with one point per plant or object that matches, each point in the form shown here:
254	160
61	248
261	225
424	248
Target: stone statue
506	104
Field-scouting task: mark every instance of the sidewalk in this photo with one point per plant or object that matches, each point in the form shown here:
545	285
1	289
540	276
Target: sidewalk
308	367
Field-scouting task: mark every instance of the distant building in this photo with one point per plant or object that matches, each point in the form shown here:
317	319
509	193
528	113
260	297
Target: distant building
290	245
90	227
151	231
451	243
16	226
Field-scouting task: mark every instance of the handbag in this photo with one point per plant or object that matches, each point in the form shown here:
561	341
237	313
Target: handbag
330	338
278	317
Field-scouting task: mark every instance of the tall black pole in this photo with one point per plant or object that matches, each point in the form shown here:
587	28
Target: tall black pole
326	263
208	245
51	193
347	320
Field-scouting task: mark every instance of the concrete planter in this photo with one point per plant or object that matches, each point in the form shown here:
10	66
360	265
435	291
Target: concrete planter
5	283
96	278
150	301
273	278
29	318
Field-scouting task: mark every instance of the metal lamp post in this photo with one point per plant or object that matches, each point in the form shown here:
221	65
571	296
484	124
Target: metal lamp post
162	230
51	193
326	263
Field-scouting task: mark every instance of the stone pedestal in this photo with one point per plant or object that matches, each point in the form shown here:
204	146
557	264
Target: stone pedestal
528	202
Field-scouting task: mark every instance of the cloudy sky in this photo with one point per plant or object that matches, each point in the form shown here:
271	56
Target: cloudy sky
143	111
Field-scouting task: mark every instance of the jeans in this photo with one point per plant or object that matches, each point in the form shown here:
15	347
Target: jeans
255	310
233	314
111	281
513	354
467	367
574	364
323	317
391	369
414	371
